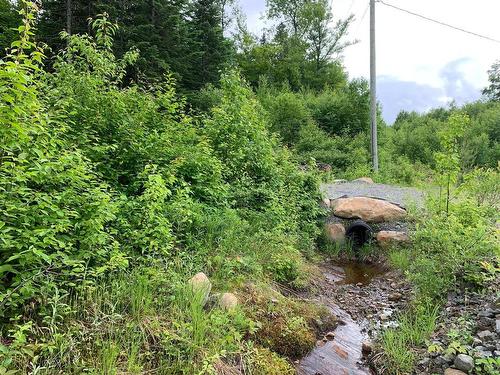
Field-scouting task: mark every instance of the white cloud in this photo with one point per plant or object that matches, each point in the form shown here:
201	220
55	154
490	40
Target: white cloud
410	49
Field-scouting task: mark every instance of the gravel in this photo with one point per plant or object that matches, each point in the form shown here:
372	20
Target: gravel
399	195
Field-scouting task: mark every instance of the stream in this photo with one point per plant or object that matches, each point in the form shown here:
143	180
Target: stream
342	355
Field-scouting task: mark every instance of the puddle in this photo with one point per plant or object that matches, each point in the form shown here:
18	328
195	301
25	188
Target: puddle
342	355
352	272
363	273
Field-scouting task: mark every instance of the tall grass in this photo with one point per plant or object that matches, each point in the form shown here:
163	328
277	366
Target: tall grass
414	328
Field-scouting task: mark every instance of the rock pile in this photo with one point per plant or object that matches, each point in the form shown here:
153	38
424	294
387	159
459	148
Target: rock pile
476	317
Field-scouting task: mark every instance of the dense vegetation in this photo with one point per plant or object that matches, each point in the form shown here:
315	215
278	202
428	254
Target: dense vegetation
145	145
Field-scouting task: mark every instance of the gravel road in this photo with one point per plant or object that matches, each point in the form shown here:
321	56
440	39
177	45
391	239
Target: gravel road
399	195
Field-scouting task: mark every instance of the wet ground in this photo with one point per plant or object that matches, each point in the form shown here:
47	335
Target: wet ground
365	298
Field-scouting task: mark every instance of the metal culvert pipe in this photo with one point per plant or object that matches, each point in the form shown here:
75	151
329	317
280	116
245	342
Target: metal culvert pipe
358	234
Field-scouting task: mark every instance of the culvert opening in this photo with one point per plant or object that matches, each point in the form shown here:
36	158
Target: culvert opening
358	234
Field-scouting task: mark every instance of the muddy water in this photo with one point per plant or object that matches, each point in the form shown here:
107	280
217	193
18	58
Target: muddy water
352	272
342	355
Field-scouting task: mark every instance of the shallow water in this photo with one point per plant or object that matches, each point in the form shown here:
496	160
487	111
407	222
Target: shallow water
342	355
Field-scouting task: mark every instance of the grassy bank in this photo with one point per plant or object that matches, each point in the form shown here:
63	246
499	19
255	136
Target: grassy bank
457	249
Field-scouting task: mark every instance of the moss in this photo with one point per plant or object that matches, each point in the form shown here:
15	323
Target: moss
262	361
288	327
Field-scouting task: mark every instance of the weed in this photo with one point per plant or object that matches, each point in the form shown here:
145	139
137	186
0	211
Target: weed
414	328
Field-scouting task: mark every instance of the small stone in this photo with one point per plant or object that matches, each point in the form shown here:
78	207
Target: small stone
452	371
464	362
483	352
366	347
485	323
441	361
388	238
200	284
366	180
476	342
228	301
335	233
385	315
424	362
395	297
359	284
449	357
487	313
325	202
497	326
486	336
330	335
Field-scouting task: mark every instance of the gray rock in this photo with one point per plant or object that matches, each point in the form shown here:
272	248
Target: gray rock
487	313
486	336
448	357
483	352
497	326
441	361
424	362
385	316
485	323
464	362
476	342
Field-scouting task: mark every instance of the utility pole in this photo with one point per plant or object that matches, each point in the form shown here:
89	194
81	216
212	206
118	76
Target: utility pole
373	92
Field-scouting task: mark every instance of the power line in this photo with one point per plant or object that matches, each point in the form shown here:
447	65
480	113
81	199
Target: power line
439	22
362	18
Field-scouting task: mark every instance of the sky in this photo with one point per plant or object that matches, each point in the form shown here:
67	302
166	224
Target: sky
420	65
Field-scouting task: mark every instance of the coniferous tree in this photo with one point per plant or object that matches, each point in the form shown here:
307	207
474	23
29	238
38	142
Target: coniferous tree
9	19
211	51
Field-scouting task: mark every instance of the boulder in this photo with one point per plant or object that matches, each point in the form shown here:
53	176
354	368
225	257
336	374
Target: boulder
335	232
366	180
388	238
228	301
452	371
464	362
370	210
200	284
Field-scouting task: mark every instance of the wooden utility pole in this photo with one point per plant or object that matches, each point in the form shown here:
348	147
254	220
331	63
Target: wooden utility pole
373	92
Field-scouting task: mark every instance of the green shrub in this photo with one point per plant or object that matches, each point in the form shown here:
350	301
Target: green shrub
54	211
